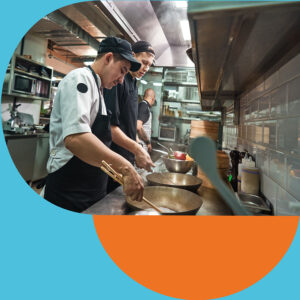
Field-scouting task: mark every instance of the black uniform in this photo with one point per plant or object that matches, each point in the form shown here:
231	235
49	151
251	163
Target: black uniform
144	111
122	101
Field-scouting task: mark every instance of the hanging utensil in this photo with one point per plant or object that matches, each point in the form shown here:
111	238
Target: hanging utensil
203	151
160	151
170	151
106	168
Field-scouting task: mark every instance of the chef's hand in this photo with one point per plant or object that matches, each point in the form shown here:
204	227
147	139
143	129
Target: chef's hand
149	146
133	183
142	159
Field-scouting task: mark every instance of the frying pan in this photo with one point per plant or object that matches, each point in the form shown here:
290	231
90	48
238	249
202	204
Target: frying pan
176	180
182	202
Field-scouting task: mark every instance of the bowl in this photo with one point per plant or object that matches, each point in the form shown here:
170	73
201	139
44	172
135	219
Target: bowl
177	165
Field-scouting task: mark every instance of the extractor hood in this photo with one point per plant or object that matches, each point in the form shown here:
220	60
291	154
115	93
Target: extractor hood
235	45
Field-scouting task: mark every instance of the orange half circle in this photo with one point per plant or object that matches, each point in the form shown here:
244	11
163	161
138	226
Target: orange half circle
196	257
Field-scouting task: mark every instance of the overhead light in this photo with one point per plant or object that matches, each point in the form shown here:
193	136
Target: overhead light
185	28
88	63
157	83
181	4
144	81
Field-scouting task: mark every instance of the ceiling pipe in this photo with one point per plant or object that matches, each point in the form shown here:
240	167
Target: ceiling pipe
67	24
114	14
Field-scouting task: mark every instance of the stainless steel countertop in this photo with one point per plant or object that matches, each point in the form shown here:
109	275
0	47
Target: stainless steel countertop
22	135
115	203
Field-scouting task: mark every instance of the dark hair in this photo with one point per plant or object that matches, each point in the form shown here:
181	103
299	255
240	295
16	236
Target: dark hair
117	56
148	53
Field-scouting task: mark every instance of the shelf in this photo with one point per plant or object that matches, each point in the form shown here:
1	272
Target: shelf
180	83
31	61
183	101
200	114
25	96
31	74
178	118
32	70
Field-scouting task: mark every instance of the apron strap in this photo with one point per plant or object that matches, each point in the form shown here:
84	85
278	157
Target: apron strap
98	87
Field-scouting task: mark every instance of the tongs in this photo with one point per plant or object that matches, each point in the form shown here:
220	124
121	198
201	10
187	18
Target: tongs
106	168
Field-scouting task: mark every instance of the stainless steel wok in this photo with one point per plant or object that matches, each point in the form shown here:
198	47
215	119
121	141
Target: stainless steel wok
182	202
176	180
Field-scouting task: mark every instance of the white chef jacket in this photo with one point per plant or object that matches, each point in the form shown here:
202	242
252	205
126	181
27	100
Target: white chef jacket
75	108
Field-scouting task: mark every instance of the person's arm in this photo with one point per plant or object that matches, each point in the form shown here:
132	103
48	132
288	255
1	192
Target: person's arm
142	133
137	138
142	158
143	117
88	148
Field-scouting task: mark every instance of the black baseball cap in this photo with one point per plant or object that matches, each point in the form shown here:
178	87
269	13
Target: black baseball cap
117	45
142	46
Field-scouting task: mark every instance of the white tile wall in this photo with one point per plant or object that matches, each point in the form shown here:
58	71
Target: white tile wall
278	101
269	134
294	96
269	188
272	81
293	177
289	70
278	168
270	129
286	204
264	106
262	161
288	135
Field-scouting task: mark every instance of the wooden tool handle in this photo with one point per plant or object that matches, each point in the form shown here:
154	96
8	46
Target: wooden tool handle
106	168
152	205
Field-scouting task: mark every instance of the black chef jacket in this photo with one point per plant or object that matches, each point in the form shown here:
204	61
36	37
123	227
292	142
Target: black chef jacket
143	111
122	101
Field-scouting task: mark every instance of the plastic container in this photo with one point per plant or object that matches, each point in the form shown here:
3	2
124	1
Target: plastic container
250	180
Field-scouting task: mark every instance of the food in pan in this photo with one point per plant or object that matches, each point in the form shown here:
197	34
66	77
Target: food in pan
179	155
188	158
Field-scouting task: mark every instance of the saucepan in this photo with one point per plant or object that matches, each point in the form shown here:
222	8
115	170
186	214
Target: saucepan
172	201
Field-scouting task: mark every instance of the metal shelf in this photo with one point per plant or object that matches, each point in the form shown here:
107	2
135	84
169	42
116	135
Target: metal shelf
180	83
183	101
25	96
200	117
32	75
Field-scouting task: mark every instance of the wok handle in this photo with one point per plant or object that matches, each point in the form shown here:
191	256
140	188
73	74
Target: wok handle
152	205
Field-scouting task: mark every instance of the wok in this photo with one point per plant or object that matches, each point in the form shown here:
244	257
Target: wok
176	180
182	202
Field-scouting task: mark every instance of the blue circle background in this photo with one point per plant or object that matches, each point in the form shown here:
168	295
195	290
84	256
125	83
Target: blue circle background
50	253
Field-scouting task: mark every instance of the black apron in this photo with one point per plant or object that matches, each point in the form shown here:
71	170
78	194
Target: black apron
128	109
78	185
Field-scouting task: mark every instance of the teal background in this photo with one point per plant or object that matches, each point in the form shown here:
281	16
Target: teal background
50	253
